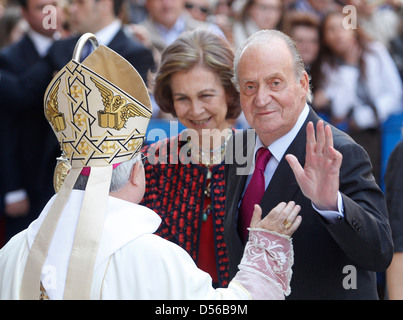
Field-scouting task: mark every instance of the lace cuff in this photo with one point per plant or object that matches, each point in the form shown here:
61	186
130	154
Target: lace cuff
268	255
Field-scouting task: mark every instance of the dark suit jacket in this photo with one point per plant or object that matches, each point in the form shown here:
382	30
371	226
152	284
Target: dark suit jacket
29	146
394	194
322	250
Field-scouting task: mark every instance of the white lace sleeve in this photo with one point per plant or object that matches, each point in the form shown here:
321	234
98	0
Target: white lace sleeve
265	269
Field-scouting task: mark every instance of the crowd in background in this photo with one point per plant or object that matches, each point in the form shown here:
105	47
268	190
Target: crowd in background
373	41
354	58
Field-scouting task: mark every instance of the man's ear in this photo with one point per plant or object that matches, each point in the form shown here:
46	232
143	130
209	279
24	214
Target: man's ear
135	173
304	81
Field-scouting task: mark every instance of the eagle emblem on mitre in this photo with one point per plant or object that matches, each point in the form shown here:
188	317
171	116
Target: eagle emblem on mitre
52	114
116	109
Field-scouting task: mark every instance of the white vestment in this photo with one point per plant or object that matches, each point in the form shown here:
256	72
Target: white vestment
133	263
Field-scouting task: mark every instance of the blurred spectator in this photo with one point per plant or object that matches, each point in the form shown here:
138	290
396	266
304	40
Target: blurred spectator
350	76
224	16
136	11
167	19
257	15
224	7
12	26
101	18
303	28
317	7
396	47
199	9
64	27
26	170
2	7
379	21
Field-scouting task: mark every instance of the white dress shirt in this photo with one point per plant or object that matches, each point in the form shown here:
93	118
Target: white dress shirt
41	42
106	34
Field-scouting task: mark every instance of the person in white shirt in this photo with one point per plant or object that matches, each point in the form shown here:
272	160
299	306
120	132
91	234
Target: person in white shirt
359	81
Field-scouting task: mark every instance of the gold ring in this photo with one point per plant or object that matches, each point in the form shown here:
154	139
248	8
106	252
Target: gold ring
287	224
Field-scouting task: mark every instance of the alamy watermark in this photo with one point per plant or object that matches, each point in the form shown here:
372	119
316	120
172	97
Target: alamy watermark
49	277
350	280
350	20
50	20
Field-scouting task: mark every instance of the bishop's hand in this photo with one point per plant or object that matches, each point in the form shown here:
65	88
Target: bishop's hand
319	179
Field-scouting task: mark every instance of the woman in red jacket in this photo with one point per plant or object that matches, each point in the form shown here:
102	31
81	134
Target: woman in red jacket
185	173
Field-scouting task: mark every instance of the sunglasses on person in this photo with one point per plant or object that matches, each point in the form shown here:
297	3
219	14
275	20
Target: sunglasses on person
200	8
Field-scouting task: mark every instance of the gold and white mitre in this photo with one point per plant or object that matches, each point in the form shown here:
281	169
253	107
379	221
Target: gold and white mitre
99	110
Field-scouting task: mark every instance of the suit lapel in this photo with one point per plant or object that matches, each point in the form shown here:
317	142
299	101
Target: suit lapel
29	52
242	160
242	143
116	42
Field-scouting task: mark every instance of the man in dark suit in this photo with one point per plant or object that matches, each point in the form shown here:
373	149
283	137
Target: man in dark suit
95	16
25	91
344	237
24	163
101	18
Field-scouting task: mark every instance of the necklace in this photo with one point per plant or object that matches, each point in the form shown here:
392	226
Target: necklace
208	156
207	197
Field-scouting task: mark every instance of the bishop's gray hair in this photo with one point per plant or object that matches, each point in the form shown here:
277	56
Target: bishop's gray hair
267	36
120	175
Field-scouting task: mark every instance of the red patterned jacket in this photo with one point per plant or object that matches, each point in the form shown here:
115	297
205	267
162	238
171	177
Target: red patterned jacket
176	192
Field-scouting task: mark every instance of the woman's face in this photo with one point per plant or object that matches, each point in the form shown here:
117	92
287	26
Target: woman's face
307	41
199	99
266	13
337	37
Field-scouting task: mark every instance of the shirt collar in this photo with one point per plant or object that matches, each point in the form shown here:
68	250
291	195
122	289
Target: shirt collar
41	43
106	34
280	146
172	33
179	26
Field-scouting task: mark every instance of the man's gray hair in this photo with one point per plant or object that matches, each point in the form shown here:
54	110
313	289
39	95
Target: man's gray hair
120	175
266	36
